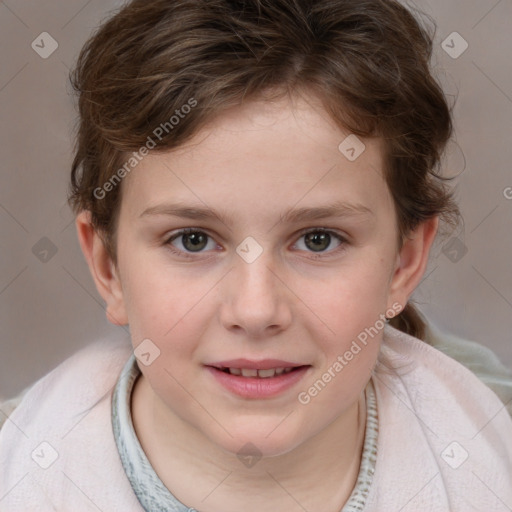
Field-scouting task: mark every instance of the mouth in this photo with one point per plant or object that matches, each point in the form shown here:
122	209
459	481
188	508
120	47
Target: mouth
258	373
257	380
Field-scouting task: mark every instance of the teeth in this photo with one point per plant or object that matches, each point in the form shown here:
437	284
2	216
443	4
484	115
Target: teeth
249	373
267	373
263	374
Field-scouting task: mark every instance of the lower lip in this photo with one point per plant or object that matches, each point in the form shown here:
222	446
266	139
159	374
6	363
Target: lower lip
256	387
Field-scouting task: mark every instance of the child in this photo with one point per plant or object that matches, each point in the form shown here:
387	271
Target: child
256	195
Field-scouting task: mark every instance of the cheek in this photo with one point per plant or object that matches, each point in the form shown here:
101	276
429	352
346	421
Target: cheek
351	307
352	298
158	297
349	339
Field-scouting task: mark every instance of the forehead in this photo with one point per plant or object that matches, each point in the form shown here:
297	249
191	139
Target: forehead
263	156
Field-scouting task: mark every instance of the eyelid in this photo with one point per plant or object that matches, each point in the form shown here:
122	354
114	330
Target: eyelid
334	232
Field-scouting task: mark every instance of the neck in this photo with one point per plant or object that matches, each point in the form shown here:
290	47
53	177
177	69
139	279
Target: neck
319	474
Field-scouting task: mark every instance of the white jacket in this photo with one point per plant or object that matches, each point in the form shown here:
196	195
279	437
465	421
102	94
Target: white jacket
444	443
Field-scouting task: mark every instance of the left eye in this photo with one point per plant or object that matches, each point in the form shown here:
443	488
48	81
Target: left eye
319	240
195	241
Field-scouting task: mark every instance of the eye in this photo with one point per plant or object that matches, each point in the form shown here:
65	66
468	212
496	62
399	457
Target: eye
191	241
318	240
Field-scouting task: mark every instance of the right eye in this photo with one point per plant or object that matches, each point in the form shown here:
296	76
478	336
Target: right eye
191	241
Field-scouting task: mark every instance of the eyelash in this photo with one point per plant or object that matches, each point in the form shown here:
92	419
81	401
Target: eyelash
315	256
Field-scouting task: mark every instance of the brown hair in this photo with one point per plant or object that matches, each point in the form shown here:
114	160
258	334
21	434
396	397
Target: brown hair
367	60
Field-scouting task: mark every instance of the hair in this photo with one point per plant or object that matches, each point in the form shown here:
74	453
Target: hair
368	61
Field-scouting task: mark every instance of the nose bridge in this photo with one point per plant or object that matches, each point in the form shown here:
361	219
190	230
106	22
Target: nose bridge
255	278
254	281
255	298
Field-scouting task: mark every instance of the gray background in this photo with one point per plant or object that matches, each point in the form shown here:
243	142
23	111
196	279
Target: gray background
49	307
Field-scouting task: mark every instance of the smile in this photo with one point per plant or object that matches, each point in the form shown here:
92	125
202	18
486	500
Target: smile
258	383
252	372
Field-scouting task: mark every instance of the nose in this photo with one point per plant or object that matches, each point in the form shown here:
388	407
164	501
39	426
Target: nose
256	300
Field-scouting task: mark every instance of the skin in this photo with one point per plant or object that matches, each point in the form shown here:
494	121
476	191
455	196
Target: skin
253	164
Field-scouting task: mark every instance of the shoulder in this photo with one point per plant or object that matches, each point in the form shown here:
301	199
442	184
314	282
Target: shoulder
95	364
443	393
62	426
8	406
438	423
442	365
89	371
456	362
481	360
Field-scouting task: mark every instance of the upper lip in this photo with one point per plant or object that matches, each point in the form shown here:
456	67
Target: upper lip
263	364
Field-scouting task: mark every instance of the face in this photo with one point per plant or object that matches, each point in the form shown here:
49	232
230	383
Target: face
260	241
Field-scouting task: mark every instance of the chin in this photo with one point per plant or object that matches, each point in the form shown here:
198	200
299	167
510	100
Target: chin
266	441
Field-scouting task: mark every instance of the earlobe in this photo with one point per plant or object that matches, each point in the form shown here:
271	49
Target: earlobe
102	269
412	261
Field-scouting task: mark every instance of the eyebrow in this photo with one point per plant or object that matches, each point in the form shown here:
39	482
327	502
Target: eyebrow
337	209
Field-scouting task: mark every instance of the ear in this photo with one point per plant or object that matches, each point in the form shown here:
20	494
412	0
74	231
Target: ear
102	268
412	261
